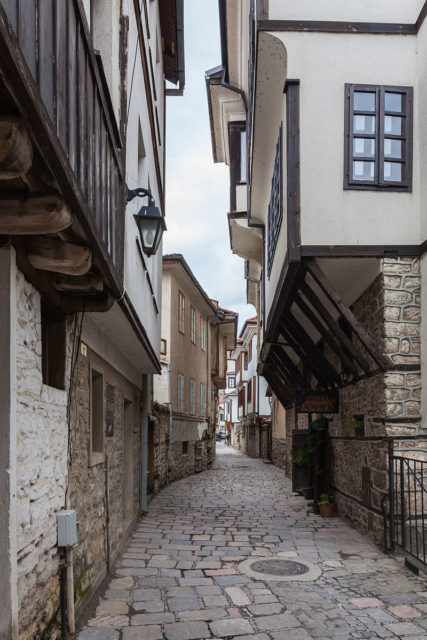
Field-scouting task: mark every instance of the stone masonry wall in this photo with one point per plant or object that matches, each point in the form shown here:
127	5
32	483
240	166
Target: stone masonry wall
390	402
87	491
41	469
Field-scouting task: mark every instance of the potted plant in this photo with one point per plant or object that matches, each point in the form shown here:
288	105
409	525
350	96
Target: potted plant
325	504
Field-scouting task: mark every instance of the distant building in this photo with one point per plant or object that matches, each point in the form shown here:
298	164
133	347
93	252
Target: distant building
196	336
252	427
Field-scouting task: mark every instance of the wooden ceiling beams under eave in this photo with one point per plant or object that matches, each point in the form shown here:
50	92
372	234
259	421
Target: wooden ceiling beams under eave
36	220
309	321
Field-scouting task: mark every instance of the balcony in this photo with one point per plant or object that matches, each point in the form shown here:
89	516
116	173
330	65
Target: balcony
54	82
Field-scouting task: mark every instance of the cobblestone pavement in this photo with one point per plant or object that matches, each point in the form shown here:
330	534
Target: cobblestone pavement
181	578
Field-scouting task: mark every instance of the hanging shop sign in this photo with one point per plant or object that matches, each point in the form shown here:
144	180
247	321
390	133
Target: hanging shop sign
309	401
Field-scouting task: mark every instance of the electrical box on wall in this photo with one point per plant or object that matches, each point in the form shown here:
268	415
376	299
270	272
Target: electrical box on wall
67	528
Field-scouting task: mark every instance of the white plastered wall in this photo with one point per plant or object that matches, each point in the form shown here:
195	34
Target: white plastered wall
143	174
400	11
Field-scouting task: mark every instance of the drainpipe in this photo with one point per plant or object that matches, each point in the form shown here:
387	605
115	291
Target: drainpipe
144	442
70	590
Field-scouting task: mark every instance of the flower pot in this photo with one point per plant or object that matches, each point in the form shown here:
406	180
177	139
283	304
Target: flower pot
326	510
307	492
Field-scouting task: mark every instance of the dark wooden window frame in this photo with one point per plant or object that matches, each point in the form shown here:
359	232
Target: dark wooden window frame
53	346
235	130
275	207
379	184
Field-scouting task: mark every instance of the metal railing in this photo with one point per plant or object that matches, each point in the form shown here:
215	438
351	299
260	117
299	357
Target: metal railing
408	503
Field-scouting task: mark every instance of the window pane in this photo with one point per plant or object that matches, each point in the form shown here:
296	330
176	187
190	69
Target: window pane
364	147
393	102
363	170
393	171
393	125
243	156
392	148
364	124
364	101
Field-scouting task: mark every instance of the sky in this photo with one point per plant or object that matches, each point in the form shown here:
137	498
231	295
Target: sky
197	190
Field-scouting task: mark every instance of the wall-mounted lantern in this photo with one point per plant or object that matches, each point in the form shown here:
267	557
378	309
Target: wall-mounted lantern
149	221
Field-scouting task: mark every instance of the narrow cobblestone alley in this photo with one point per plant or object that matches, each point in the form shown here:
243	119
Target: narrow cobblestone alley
181	576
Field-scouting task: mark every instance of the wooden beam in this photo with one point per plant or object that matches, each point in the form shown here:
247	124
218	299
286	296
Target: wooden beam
16	148
89	283
293	211
279	355
315	355
283	393
356	326
50	254
324	26
33	215
327	335
335	328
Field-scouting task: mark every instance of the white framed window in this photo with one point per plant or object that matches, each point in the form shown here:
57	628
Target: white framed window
193	325
202	400
193	397
181	312
203	334
181	393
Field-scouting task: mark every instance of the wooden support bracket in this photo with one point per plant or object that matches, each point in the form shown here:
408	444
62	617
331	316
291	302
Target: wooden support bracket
33	215
16	148
89	283
50	254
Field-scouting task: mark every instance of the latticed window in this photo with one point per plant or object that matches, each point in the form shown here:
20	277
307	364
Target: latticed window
379	137
275	208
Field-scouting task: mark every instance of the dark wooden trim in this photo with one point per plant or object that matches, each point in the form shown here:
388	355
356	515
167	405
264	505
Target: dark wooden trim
262	9
406	138
235	129
323	26
289	83
327	336
361	251
150	107
404	367
317	273
293	167
289	274
222	8
334	327
421	17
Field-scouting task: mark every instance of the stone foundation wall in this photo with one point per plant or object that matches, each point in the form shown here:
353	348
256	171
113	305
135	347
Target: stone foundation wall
41	468
279	453
185	464
389	402
99	540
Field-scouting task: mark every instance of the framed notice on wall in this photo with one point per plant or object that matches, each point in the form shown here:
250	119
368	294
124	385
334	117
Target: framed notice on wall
309	401
109	413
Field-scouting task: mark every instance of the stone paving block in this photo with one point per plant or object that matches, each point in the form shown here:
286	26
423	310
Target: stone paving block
149	606
265	609
404	629
238	596
234	627
98	634
116	622
225	581
401	598
186	630
151	618
363	603
297	634
111	607
221	572
121	583
183	604
234	612
280	621
209	590
151	632
404	611
146	594
212	613
214	601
